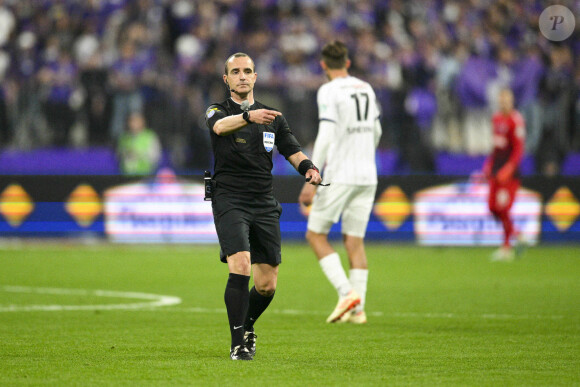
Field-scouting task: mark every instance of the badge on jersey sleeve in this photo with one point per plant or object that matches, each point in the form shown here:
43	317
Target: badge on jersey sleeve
210	112
269	141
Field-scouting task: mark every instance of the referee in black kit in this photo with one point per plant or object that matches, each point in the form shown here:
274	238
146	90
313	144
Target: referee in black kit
246	214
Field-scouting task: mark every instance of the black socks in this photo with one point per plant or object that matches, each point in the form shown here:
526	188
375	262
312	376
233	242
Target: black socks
243	306
257	305
237	298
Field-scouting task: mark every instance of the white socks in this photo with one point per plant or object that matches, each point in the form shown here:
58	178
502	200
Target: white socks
332	267
358	280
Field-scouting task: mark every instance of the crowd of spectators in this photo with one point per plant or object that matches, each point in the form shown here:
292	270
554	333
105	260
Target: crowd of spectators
73	71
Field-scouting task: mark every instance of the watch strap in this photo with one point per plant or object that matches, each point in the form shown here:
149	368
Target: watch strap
246	117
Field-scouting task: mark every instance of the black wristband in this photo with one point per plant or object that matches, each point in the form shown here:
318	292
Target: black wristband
305	165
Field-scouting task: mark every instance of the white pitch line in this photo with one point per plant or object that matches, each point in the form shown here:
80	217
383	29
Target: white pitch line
486	316
155	300
160	301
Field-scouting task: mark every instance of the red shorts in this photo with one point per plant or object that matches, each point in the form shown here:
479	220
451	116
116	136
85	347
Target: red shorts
501	196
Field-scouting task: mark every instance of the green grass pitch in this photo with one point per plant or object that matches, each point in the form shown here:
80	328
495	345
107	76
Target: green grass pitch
437	316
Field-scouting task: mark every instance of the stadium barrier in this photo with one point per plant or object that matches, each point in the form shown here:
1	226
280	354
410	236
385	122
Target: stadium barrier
104	161
431	210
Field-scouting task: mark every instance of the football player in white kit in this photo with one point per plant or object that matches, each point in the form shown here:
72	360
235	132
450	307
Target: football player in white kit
348	134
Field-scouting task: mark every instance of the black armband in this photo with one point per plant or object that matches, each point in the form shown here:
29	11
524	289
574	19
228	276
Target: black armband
305	165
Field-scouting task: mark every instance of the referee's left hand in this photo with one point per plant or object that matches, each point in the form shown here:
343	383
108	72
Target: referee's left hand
313	177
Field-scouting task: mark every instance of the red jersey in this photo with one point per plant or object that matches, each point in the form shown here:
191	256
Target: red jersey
509	133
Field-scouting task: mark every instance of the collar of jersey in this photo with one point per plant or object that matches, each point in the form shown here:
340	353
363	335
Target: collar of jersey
239	104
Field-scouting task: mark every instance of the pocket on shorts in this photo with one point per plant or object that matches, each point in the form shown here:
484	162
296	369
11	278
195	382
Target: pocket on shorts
214	207
220	204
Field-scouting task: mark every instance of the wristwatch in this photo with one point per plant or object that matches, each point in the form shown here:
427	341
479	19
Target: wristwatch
246	116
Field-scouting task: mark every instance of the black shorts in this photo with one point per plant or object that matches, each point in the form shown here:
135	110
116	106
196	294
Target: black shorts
248	223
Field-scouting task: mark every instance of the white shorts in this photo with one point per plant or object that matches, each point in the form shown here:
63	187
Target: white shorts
353	202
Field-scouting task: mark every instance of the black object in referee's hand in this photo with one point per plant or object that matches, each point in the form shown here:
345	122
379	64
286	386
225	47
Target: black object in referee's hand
324	185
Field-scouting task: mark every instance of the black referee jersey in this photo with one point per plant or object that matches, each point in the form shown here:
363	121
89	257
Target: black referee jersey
243	159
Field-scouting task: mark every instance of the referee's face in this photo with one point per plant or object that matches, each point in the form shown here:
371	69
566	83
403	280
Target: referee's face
241	76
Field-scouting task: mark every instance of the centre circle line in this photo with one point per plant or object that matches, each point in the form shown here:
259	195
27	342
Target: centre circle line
154	300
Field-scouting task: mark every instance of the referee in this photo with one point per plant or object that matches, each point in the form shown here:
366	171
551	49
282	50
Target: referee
246	214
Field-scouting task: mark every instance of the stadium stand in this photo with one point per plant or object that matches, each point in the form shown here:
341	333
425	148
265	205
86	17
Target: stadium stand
72	70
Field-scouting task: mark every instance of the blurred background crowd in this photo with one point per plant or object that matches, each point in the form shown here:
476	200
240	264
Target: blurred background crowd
81	73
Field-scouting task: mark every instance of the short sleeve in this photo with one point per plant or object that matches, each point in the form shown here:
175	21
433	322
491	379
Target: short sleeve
213	114
285	141
326	106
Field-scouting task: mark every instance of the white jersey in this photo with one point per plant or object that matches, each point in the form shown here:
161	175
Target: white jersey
349	132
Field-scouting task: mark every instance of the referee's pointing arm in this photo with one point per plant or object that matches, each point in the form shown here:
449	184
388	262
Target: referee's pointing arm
231	124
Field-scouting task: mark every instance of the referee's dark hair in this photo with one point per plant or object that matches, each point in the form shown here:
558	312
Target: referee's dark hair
238	55
335	54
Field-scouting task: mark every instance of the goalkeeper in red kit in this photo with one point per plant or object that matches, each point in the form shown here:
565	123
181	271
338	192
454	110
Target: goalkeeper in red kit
501	168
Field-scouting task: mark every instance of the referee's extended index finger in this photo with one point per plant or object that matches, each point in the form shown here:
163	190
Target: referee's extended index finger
274	112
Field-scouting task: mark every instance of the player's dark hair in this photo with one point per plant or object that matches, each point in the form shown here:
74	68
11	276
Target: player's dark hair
238	55
335	55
